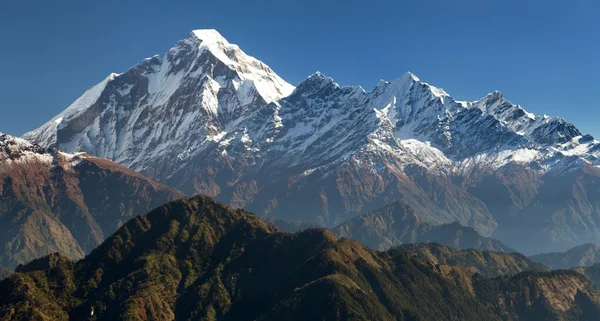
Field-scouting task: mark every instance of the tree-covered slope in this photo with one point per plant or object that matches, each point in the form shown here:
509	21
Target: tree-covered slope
196	259
487	263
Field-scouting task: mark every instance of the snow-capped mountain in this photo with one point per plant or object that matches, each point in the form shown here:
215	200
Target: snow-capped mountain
162	107
207	118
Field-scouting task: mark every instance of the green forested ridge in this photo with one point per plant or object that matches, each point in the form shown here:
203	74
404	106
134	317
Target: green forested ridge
488	263
196	259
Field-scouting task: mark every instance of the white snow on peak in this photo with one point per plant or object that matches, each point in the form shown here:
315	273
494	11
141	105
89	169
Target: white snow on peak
528	114
216	85
47	132
268	84
209	36
166	74
87	99
496	105
324	79
16	143
411	76
203	95
14	150
438	92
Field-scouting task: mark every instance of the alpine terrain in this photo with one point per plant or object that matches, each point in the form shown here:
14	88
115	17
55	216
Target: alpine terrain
51	201
207	118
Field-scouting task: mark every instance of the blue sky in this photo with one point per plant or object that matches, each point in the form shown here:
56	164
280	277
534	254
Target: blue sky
542	55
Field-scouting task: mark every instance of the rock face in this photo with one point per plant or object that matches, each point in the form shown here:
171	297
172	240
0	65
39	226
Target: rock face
196	259
52	201
207	118
398	223
580	256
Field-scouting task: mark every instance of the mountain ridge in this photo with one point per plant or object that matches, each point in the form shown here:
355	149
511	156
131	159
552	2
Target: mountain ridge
579	256
197	259
340	150
55	201
397	224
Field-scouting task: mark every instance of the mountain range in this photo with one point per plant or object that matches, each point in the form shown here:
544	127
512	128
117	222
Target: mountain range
398	223
584	259
51	201
207	118
592	272
46	191
579	256
196	259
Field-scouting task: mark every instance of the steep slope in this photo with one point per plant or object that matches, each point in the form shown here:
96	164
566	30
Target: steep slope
398	223
231	128
52	201
199	89
197	259
580	256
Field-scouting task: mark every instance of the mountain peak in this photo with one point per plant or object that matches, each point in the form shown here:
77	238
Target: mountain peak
319	77
408	79
317	74
494	95
6	138
13	146
250	72
212	40
410	76
210	119
209	35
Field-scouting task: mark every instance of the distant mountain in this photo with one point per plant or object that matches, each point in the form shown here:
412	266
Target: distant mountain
292	226
197	259
592	272
5	272
580	256
488	263
53	201
463	237
584	259
207	118
398	223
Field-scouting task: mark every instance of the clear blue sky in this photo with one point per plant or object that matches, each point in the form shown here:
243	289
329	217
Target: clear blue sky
543	55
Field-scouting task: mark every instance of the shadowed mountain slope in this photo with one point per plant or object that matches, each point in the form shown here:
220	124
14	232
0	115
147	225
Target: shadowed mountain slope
398	223
53	201
583	255
196	259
